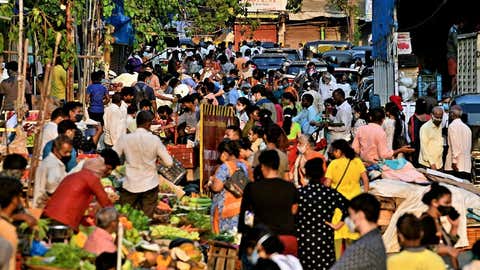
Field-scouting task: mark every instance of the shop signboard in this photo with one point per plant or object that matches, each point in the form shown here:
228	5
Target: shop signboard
266	5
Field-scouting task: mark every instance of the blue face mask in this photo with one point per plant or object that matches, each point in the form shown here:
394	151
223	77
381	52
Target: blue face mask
445	106
254	257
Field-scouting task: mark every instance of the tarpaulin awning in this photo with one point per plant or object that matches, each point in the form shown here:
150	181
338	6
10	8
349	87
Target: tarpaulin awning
124	32
382	25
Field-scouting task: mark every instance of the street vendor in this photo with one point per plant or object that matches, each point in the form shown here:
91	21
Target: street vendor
15	165
51	170
74	195
101	239
66	128
371	140
10	192
141	150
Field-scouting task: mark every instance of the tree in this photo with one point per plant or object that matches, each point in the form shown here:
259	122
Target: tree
351	11
151	17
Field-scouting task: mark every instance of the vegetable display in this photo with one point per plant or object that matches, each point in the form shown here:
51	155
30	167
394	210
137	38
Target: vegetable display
196	219
139	220
169	232
67	257
196	202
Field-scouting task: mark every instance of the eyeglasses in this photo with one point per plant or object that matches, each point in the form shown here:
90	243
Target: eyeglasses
436	119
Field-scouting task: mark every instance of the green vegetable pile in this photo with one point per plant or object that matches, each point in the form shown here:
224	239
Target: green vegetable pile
196	219
198	202
40	231
66	257
139	220
169	232
133	236
224	237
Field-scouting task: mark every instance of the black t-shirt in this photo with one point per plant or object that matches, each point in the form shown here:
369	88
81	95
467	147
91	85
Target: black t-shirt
271	202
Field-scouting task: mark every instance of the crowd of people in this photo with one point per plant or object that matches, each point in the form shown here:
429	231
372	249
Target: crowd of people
309	153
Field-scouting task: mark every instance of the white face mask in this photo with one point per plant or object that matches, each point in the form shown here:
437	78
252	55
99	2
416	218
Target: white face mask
350	224
254	257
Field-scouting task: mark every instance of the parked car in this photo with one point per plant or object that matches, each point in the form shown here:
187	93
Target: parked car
269	61
338	58
470	104
361	52
292	54
268	45
298	67
353	77
315	49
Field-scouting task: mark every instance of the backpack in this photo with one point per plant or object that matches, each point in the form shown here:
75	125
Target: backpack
141	93
236	183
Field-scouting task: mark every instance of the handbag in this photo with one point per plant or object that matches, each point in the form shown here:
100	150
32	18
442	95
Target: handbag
237	182
343	175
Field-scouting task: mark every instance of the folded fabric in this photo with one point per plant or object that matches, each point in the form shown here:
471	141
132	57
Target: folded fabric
407	173
474	211
473	216
396	164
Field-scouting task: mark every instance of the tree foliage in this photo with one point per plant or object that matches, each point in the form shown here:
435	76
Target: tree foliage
294	5
150	19
351	10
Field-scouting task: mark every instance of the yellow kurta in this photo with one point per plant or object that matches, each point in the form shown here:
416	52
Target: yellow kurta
59	82
350	187
431	145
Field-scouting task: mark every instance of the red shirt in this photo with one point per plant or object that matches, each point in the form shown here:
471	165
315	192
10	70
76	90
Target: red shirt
73	196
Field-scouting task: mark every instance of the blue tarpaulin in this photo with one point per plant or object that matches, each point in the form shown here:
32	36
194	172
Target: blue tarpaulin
382	25
124	32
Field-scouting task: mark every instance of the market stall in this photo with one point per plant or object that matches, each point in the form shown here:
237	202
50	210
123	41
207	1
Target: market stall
179	236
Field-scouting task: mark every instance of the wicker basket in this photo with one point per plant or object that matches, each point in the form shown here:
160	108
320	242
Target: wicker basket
222	256
186	156
473	234
385	217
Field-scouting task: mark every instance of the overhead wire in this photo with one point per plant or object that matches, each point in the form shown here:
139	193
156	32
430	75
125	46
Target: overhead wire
434	13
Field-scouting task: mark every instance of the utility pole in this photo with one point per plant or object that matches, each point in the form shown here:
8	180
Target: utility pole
70	43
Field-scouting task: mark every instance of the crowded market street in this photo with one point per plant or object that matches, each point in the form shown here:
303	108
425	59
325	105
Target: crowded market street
249	135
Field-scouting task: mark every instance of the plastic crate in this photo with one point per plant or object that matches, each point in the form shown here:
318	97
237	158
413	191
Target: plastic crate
187	156
423	81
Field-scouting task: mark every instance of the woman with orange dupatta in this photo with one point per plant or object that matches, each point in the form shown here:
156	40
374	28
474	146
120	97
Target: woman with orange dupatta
306	152
225	206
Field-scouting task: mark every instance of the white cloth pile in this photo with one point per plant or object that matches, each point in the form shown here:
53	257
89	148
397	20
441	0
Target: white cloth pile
461	200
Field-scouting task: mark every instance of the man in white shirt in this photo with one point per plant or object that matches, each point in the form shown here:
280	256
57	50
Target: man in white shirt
244	47
115	121
431	141
52	170
50	129
141	150
326	86
459	158
342	121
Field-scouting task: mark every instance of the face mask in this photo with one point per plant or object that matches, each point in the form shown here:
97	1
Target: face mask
350	224
65	159
444	210
78	117
437	123
254	257
301	149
